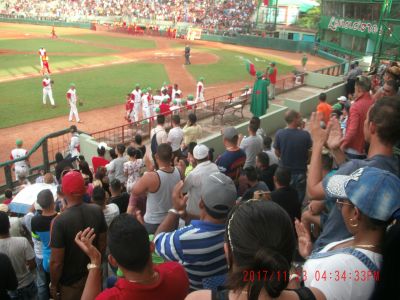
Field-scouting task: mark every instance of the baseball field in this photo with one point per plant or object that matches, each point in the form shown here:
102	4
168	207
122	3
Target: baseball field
105	67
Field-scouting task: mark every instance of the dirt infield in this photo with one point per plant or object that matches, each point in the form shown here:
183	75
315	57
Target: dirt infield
164	53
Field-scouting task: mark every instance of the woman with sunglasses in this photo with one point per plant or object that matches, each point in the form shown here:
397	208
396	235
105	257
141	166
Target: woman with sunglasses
259	247
348	269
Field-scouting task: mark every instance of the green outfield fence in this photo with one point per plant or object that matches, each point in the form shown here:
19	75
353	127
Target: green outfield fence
45	22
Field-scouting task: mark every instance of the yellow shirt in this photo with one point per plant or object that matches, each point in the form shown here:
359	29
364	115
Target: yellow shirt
191	133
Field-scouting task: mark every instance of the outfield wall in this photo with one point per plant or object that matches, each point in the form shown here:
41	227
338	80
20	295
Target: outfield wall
46	22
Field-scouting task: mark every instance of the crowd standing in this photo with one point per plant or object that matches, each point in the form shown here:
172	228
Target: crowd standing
310	213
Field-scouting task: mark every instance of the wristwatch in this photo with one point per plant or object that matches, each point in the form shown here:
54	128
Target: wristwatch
174	211
92	266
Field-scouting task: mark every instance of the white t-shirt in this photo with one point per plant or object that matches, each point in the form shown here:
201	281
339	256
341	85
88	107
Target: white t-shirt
74	146
341	276
162	135
175	137
17	153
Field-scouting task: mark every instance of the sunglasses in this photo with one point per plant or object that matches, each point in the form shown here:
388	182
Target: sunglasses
339	204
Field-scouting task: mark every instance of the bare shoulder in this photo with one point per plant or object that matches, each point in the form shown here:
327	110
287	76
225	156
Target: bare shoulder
199	295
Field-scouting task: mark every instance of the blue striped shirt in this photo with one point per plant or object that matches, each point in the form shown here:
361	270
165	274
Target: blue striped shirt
199	247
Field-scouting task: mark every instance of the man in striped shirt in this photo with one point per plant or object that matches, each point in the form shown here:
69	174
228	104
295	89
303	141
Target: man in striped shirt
199	247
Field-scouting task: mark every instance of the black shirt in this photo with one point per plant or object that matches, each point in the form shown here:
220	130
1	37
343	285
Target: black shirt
8	278
267	176
61	166
288	199
121	201
65	227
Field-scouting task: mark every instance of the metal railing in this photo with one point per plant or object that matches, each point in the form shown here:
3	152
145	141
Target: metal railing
335	70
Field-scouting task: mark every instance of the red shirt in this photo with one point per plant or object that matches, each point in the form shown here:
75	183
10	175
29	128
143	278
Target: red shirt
354	137
172	284
98	161
272	76
164	109
7	201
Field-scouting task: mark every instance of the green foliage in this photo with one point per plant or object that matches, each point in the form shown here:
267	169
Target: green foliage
310	19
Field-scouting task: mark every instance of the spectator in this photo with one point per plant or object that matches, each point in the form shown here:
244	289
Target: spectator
360	196
138	145
272	74
8	278
259	238
22	257
354	142
175	136
251	145
84	168
232	160
292	146
67	263
133	168
192	131
285	195
193	182
21	167
117	197
8	196
381	132
390	88
17	228
253	184
351	80
325	109
190	158
141	279
267	143
40	229
158	185
159	131
110	211
100	161
61	165
116	167
265	170
199	247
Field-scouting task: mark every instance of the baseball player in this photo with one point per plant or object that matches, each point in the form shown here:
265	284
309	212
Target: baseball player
175	91
53	33
42	52
74	146
47	90
137	99
145	103
200	91
128	107
72	99
45	67
21	167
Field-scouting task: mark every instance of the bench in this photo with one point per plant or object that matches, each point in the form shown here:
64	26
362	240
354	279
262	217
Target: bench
233	106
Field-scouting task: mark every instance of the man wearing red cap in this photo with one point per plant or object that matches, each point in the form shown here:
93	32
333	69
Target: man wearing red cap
68	264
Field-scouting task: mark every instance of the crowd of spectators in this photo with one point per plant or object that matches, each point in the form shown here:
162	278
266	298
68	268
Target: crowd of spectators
209	14
316	204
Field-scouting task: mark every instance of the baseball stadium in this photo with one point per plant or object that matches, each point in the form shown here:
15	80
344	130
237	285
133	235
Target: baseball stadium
86	84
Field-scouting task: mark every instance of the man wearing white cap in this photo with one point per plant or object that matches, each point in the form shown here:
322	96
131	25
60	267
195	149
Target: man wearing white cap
192	184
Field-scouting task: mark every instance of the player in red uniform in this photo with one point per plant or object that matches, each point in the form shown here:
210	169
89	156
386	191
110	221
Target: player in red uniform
45	61
53	33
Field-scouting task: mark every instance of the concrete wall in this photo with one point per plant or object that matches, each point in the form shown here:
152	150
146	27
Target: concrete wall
89	148
322	81
308	105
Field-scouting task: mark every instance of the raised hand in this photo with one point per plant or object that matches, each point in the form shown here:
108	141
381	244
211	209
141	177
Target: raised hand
84	240
318	134
335	134
304	239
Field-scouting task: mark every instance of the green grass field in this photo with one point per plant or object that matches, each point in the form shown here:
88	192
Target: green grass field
21	100
128	42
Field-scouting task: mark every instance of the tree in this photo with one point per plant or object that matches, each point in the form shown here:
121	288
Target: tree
310	19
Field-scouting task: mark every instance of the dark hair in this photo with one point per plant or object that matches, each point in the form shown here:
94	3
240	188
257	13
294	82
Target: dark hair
393	84
59	157
4	223
133	152
121	148
85	169
113	154
233	140
138	139
45	198
253	127
283	176
176	119
260	236
291	115
363	82
122	231
73	128
192	118
99	195
322	97
116	185
164	152
160	119
191	147
256	121
263	159
385	114
8	193
251	173
101	151
267	141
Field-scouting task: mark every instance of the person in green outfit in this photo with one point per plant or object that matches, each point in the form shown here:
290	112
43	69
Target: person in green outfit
304	60
259	97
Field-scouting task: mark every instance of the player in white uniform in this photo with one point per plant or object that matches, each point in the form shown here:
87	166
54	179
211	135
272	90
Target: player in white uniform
72	98
137	100
21	167
175	91
47	90
74	146
42	52
146	98
200	91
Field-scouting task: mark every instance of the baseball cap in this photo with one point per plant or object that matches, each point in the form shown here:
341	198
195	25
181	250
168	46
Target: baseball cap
18	142
230	133
218	193
72	84
200	151
73	183
342	99
374	191
201	79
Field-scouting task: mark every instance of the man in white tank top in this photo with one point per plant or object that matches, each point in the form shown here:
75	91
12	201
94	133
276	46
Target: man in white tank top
158	185
21	167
